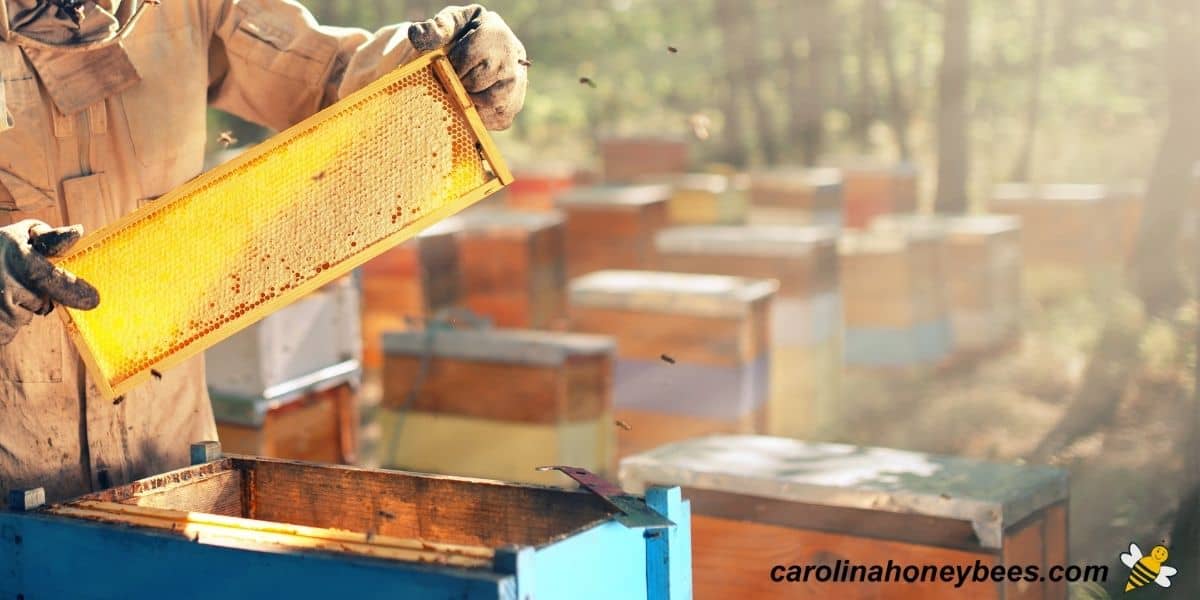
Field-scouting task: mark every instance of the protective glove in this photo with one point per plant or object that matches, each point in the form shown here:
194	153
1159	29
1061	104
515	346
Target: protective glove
29	284
487	56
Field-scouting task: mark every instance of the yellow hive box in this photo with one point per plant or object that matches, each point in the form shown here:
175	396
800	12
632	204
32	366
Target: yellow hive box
281	220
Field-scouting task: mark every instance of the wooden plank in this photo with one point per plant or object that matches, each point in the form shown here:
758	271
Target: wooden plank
530	394
219	494
313	429
447	509
734	558
1056	547
1024	544
88	554
649	335
669	552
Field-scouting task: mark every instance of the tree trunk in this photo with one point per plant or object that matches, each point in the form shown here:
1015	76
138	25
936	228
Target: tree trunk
898	114
734	130
1021	169
862	113
952	109
1155	268
753	74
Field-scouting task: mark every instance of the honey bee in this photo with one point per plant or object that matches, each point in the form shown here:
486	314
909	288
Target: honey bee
1144	569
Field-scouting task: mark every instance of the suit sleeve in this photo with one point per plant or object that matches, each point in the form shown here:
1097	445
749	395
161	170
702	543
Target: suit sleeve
271	63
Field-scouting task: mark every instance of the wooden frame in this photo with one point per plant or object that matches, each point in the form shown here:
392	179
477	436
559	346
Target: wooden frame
254	528
439	64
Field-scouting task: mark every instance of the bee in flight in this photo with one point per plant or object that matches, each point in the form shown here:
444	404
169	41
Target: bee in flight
1144	569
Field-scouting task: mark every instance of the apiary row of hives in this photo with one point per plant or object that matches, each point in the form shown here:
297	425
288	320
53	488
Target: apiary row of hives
630	321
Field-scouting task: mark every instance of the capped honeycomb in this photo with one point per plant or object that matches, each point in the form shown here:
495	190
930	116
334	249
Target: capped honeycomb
295	213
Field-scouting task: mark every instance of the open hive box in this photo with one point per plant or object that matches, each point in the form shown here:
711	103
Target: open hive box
263	528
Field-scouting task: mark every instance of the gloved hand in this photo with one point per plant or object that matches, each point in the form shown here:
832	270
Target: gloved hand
29	284
487	56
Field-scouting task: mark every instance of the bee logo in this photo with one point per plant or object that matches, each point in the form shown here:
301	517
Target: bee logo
1144	569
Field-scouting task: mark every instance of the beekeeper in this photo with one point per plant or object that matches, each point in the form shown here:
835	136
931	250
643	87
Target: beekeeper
103	110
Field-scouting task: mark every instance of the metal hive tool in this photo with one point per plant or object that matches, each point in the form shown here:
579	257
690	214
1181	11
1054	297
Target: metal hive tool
279	221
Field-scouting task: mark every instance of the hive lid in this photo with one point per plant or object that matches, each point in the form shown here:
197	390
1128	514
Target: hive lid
711	183
239	409
875	241
992	496
493	219
746	240
871	166
798	179
675	293
947	225
1056	192
520	346
615	195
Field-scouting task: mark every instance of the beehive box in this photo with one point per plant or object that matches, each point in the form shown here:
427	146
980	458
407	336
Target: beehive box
260	528
873	190
497	403
613	227
534	187
407	284
894	300
312	417
628	159
981	269
692	351
796	197
758	502
318	331
286	217
513	267
1070	226
806	314
705	199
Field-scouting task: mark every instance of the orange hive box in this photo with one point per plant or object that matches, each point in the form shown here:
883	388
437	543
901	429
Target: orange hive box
534	187
513	267
613	227
408	284
692	351
806	315
1073	226
758	502
279	221
872	190
796	197
628	159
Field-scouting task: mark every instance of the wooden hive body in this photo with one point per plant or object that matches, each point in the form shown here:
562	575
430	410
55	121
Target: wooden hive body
612	227
692	351
535	187
1071	226
870	191
286	387
628	159
796	197
513	267
263	528
895	314
407	284
705	199
761	501
497	403
806	314
981	270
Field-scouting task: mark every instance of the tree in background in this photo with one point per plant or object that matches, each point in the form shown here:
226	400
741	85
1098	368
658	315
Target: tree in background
952	125
1021	168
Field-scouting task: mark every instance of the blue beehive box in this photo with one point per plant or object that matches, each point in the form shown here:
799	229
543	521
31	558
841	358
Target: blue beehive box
261	528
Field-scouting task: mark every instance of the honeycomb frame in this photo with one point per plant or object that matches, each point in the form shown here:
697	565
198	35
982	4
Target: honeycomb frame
100	336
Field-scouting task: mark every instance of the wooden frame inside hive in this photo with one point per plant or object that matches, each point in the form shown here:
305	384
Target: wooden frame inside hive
281	220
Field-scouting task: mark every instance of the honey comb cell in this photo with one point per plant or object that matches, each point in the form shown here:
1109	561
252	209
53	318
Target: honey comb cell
291	215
